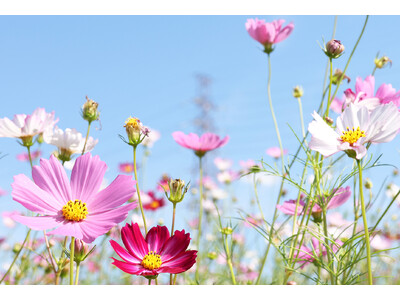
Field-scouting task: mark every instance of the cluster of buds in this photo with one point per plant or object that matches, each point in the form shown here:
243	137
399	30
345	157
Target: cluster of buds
226	230
177	190
334	49
135	131
90	111
298	91
337	75
382	62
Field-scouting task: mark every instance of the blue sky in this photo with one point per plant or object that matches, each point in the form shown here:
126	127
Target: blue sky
145	66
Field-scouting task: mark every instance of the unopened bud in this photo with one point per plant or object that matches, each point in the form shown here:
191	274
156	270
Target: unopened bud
212	255
382	62
177	190
368	184
90	111
334	48
298	92
291	283
81	249
135	131
337	75
395	172
328	120
227	230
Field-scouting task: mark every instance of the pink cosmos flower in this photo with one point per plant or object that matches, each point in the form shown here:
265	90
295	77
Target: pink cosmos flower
308	255
162	185
77	208
25	157
275	152
209	183
207	142
3	192
155	203
155	254
126	167
355	127
23	126
338	198
268	33
228	176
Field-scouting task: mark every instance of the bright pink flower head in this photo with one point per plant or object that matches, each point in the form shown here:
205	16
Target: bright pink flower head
275	152
207	142
268	33
155	254
25	157
75	208
154	203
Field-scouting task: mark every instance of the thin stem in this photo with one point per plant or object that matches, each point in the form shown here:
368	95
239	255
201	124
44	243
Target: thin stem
71	261
328	253
172	233
149	281
373	72
30	156
77	273
330	89
87	137
256	194
200	218
364	215
229	259
137	189
303	131
16	256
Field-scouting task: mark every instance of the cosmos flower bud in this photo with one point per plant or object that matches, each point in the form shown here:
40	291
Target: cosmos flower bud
368	184
334	49
298	92
135	130
227	230
177	190
382	62
337	75
90	111
328	120
212	255
81	250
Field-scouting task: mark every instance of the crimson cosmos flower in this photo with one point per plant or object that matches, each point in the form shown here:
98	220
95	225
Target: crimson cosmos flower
155	254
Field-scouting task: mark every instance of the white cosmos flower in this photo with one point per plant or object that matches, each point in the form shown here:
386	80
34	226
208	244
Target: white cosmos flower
355	127
223	164
69	141
26	126
151	138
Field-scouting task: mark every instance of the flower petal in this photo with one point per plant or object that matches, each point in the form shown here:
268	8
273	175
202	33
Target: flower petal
134	241
179	263
69	228
39	223
135	269
175	245
156	238
125	255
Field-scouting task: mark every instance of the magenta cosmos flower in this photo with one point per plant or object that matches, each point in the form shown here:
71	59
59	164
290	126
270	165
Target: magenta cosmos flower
268	33
338	198
207	142
155	254
77	208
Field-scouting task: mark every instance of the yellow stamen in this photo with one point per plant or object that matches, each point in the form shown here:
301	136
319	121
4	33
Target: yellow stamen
352	136
132	122
151	261
75	210
154	204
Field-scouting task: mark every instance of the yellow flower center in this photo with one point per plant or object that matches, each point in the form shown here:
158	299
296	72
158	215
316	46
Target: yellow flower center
132	122
75	210
352	136
151	261
154	204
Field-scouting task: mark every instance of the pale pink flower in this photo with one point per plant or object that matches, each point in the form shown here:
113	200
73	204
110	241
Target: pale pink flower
7	218
3	192
248	165
355	127
209	183
25	157
74	208
338	197
380	242
223	164
152	137
268	33
207	142
228	176
275	152
24	126
126	167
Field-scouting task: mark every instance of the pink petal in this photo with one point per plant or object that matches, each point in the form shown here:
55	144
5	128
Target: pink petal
284	33
180	263
175	245
69	228
116	194
124	254
51	177
340	196
87	176
39	223
156	238
32	197
134	241
135	269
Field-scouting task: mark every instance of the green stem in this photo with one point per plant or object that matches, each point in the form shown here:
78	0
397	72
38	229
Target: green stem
200	218
16	256
328	253
149	281
60	267
257	199
71	261
172	233
364	215
77	273
30	156
137	189
330	88
373	72
87	137
229	259
303	131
